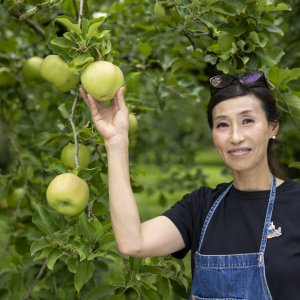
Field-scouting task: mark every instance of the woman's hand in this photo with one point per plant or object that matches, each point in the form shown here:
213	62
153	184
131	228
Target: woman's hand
111	122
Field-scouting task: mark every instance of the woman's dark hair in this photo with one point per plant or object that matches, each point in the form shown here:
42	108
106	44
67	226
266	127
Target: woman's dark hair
268	104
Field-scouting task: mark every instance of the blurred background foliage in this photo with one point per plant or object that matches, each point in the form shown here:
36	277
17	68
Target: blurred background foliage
167	51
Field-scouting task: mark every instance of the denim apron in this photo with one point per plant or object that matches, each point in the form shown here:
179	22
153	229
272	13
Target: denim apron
234	276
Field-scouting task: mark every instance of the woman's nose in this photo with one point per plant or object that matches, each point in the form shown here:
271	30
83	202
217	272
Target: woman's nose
237	135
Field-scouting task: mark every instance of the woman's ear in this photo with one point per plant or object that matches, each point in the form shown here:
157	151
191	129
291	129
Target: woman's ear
275	127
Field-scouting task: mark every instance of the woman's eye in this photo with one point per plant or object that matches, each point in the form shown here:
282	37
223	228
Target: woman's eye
222	124
247	121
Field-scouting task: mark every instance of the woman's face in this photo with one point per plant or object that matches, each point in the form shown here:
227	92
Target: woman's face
241	133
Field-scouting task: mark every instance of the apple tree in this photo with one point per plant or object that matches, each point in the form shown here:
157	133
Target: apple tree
166	50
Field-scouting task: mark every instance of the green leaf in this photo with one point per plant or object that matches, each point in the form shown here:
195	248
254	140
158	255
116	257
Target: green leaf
253	36
178	288
145	49
39	245
163	287
67	22
149	294
211	58
270	57
43	220
81	60
223	7
245	59
295	164
84	273
101	292
146	269
279	7
62	42
135	263
94	25
280	77
108	241
293	103
43	254
56	165
98	228
71	262
86	229
234	29
81	249
224	66
63	110
118	297
225	42
54	255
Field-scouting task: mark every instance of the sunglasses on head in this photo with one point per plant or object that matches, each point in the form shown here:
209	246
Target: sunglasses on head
246	79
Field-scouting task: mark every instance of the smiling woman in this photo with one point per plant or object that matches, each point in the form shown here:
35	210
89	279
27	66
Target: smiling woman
241	134
242	234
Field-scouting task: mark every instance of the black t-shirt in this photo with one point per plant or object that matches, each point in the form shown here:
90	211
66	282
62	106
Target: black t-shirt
237	227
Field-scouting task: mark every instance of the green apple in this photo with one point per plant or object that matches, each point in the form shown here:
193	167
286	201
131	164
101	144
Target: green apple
133	124
68	194
32	69
68	158
159	10
7	78
56	71
16	196
102	80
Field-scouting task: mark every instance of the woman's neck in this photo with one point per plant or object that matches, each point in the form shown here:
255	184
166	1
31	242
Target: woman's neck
245	181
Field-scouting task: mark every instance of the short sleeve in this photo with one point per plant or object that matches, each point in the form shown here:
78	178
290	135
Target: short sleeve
180	214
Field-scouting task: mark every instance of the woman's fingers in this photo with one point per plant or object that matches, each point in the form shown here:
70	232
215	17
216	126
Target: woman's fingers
119	99
94	106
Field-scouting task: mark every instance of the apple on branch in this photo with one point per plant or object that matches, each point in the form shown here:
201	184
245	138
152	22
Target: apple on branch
56	71
102	80
133	124
68	194
32	69
68	155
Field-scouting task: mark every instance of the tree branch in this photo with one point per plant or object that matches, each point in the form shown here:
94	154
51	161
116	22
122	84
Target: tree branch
71	119
36	280
36	27
80	12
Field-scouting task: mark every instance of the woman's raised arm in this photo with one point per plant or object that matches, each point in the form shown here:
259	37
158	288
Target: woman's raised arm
156	237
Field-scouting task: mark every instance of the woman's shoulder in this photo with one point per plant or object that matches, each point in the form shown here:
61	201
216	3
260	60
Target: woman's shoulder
208	190
289	186
206	194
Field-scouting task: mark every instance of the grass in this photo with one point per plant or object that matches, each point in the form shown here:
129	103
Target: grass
157	197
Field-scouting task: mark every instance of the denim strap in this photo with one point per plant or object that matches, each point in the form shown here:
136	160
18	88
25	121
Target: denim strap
210	213
268	216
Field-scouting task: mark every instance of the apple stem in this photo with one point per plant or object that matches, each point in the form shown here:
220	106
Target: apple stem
71	119
90	210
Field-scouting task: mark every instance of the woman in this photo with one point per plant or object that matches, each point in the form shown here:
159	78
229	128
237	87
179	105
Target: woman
245	235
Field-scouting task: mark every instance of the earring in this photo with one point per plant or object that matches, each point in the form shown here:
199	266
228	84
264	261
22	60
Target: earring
274	137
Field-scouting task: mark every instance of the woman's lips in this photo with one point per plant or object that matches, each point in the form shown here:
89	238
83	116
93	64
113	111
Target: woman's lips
239	151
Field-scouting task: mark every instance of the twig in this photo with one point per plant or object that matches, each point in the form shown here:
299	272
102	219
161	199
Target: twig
36	280
36	27
71	119
80	12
